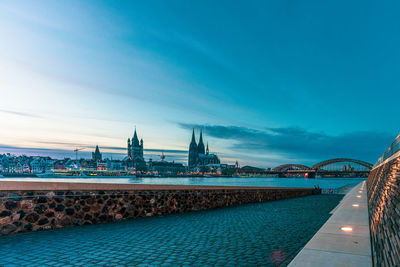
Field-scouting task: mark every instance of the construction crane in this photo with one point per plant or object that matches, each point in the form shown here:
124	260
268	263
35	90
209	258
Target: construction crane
76	152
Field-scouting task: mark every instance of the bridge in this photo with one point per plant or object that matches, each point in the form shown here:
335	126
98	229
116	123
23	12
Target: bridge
337	167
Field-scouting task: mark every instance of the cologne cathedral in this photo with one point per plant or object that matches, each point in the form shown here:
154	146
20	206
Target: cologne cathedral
200	156
135	153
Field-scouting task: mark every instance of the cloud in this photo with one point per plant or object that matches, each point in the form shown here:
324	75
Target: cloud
114	147
171	154
34	151
20	113
300	145
71	144
167	151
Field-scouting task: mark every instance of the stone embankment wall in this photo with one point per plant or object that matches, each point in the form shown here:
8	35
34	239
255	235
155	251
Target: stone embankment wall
384	212
26	210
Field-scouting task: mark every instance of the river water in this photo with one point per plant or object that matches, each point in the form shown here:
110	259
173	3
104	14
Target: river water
324	183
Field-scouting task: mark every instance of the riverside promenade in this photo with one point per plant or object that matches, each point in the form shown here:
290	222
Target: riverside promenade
32	206
344	240
241	235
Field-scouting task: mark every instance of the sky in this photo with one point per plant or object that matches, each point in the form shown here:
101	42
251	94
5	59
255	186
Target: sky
268	82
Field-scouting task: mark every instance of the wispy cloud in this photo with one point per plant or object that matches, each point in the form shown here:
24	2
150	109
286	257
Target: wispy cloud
171	154
35	151
299	144
167	151
113	147
24	114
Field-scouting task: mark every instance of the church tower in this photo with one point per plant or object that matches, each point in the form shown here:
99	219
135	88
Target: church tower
192	160
135	152
141	148
200	146
136	147
129	149
96	155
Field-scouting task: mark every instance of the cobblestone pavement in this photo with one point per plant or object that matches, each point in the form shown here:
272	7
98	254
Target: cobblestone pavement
240	235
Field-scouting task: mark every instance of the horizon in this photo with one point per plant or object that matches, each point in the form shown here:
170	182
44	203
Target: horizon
179	156
268	83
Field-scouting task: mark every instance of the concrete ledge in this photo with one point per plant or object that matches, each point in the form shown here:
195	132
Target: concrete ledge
58	186
344	240
309	257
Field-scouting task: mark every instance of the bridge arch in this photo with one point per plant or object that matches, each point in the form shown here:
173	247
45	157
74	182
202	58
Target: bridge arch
341	160
285	167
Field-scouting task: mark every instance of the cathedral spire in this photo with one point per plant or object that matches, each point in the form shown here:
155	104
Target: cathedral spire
193	154
207	151
193	138
200	146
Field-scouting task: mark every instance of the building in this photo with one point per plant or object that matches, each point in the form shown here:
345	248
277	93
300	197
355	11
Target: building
115	165
198	155
101	166
96	155
61	164
36	166
135	153
165	168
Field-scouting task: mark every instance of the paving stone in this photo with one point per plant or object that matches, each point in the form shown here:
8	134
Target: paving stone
241	235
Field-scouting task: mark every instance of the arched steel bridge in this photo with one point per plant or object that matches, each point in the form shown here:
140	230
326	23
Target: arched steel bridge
320	165
341	160
286	167
338	167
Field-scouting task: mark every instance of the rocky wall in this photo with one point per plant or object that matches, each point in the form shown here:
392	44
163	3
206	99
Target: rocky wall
384	212
22	211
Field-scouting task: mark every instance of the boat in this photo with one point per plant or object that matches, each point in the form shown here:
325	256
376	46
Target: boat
86	173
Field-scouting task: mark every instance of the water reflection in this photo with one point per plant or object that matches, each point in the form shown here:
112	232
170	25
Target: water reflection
325	183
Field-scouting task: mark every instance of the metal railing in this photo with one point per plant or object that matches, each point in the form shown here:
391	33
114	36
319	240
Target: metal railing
393	149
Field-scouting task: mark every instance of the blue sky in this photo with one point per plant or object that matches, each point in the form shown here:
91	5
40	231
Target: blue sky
269	82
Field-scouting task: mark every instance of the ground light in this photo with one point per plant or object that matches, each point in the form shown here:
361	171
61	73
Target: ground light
346	229
355	205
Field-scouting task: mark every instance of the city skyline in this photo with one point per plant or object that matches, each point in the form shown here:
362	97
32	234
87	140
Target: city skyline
266	88
87	151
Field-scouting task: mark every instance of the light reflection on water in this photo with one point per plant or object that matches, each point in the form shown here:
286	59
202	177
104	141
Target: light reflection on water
333	183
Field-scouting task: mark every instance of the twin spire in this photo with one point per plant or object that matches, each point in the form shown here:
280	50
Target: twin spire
200	146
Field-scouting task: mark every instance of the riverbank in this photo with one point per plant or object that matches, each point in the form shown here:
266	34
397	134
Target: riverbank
32	206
